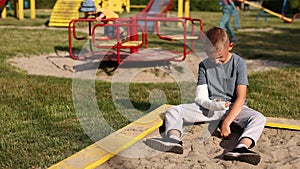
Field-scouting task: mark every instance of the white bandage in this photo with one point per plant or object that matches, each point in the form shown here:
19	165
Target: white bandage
203	100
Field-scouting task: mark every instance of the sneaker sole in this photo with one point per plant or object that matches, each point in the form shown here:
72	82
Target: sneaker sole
157	145
248	158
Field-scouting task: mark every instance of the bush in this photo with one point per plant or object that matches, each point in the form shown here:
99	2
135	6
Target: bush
42	4
39	4
200	5
276	6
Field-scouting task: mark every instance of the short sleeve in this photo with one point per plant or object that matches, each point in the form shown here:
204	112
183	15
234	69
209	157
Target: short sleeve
202	74
242	77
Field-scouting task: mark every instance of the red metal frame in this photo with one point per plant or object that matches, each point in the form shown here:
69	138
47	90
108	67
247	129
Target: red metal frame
183	21
72	31
192	22
133	27
119	43
129	23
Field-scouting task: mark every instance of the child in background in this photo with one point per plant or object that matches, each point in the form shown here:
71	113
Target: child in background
90	10
228	8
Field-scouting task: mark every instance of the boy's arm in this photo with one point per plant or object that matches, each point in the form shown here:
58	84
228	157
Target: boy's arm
202	98
234	111
202	95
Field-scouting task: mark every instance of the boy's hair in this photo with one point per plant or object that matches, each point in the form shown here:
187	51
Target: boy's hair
215	38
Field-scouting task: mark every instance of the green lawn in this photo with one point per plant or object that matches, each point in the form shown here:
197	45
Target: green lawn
39	125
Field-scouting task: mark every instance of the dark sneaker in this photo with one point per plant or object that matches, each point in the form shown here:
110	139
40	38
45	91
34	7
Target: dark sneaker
244	155
165	144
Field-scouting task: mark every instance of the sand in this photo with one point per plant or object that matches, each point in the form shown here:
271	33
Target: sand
278	148
61	65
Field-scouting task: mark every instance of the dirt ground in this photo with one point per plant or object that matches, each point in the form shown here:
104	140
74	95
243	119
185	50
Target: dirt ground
61	65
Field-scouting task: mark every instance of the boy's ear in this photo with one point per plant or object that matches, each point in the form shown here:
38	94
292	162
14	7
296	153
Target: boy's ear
231	44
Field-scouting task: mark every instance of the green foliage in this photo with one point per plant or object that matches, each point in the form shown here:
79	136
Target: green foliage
205	5
294	4
276	6
39	4
200	5
42	4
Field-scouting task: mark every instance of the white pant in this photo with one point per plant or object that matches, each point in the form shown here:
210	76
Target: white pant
251	121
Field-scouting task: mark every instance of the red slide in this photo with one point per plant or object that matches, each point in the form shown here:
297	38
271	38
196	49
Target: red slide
158	6
2	4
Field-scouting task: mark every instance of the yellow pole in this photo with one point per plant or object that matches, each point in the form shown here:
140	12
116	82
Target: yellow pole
32	9
20	8
187	8
3	13
180	10
128	6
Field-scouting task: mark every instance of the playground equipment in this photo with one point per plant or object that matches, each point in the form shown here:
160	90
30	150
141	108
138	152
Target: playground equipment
183	8
65	10
116	5
137	37
19	9
3	4
281	16
137	30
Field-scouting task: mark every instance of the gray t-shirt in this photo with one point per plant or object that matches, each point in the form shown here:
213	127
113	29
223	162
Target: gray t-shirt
222	79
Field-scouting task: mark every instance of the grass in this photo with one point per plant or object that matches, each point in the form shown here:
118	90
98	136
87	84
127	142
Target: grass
39	124
276	92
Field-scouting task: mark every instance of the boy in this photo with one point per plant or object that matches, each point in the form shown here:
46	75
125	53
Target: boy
220	95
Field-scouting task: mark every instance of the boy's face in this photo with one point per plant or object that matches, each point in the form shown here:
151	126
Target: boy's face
220	56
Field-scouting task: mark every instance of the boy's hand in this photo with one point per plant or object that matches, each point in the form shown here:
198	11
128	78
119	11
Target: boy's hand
225	130
227	104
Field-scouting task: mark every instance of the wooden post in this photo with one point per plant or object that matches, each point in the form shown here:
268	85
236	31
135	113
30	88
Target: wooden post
127	6
180	10
20	8
3	13
187	8
32	9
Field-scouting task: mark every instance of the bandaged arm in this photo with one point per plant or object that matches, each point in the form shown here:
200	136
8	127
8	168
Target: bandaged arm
203	100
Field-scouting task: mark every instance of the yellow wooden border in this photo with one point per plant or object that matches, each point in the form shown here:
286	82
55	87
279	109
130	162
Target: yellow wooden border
150	122
82	159
283	123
